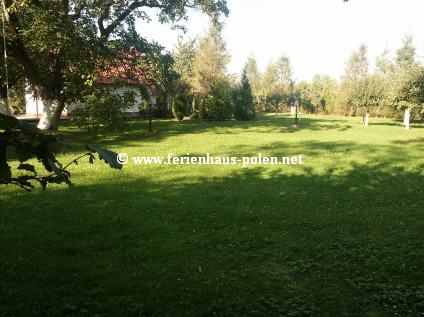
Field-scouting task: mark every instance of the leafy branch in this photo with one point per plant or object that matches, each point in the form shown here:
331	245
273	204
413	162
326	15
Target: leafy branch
28	142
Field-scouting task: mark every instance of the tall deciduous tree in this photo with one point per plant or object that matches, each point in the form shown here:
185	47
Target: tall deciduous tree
184	55
269	79
302	90
405	55
11	77
322	91
211	60
356	70
277	83
406	91
158	67
316	94
284	73
211	82
383	64
366	93
253	75
406	83
57	42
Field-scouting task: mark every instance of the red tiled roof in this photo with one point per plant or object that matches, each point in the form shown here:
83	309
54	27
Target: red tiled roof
125	71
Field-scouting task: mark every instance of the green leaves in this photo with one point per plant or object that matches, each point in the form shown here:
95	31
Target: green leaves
103	111
5	173
27	167
110	157
27	142
179	106
218	104
8	122
244	106
23	154
56	169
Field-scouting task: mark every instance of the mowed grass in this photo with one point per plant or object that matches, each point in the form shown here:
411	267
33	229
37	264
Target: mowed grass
340	235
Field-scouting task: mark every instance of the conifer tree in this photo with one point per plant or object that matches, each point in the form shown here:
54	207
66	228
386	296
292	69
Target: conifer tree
244	105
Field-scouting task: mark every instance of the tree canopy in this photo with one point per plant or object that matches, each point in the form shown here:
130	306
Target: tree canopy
60	44
211	60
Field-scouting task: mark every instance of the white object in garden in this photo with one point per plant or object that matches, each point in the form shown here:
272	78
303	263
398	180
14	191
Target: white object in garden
367	115
406	118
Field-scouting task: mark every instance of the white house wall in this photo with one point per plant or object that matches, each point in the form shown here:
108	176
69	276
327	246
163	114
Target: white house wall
31	105
31	102
34	106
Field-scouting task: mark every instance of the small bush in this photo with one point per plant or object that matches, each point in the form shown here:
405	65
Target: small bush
28	142
161	110
179	106
144	110
102	110
218	104
195	107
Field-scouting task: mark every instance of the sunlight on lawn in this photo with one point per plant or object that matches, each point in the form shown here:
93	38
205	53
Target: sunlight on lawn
339	234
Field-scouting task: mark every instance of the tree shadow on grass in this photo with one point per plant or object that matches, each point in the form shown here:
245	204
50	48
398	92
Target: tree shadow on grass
230	245
417	141
414	124
264	123
335	152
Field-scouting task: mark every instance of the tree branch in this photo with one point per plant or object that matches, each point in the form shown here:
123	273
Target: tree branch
104	15
78	11
65	7
105	32
18	48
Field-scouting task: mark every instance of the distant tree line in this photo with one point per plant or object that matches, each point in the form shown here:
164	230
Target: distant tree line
211	93
395	87
196	70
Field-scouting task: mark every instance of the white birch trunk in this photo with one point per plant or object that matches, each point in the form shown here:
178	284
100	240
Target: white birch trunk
406	118
293	110
4	106
367	115
46	120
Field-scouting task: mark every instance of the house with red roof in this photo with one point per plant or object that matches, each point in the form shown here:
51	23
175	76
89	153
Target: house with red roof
120	79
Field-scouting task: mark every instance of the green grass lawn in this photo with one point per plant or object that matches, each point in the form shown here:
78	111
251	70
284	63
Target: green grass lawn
340	235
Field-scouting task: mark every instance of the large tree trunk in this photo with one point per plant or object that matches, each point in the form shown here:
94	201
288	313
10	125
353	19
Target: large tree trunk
4	106
406	118
52	109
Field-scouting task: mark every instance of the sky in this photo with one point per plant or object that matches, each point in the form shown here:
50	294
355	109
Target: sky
317	35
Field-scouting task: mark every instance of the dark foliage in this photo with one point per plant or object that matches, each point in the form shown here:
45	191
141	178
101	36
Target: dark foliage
103	110
27	141
218	104
244	105
179	106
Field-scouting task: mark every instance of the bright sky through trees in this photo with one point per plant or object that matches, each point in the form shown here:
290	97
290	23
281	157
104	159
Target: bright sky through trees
318	36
